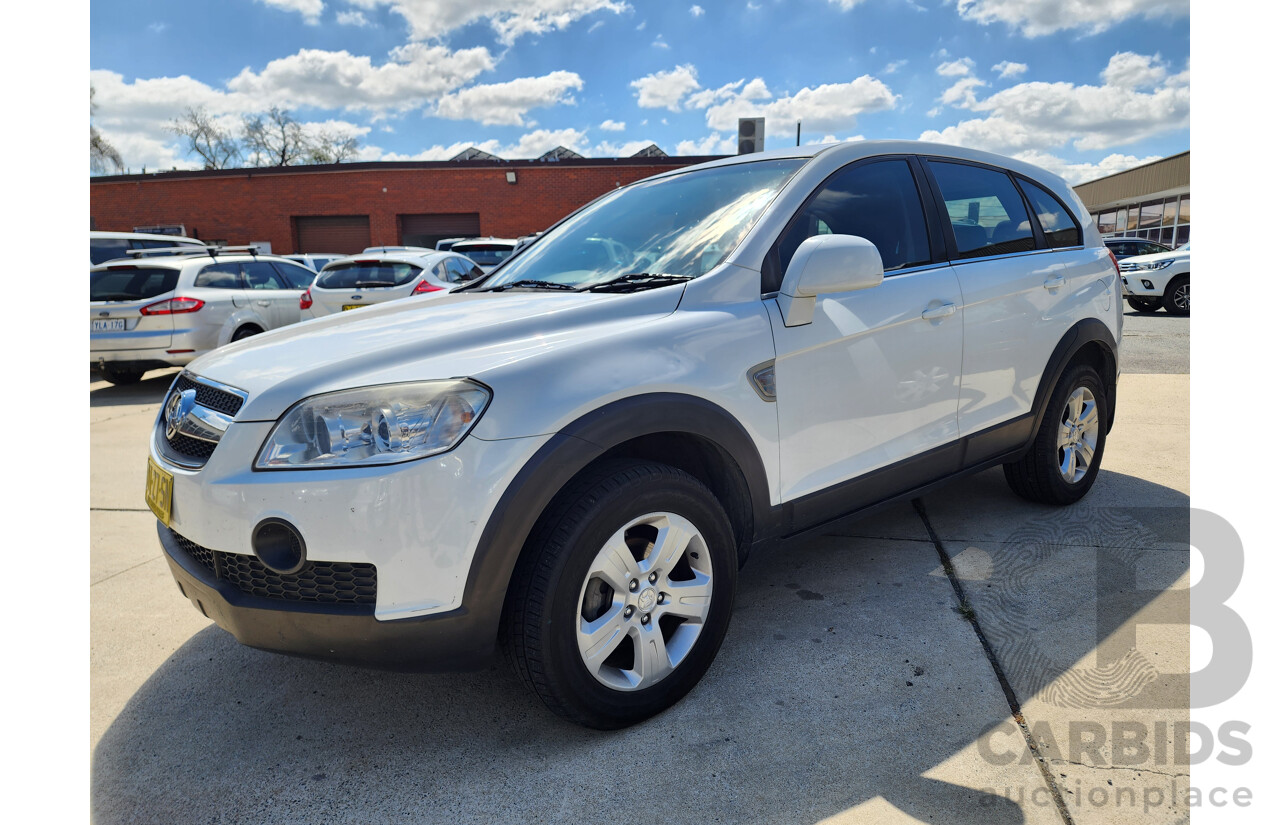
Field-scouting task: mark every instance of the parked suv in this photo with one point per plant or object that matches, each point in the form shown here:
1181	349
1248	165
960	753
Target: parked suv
368	279
160	312
108	246
1161	280
573	461
1128	247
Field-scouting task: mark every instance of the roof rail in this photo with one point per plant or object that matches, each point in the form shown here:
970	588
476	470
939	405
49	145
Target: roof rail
194	251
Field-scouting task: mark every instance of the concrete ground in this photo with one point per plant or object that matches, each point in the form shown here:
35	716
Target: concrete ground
890	670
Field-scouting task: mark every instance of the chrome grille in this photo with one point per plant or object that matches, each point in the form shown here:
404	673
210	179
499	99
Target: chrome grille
211	397
185	435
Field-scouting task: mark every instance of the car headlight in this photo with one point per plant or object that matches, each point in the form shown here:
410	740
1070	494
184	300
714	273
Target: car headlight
1154	265
386	424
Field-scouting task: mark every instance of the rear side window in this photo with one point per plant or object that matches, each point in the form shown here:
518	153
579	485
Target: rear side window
985	209
876	201
297	277
461	271
107	249
219	276
367	273
1153	249
262	275
134	284
1060	229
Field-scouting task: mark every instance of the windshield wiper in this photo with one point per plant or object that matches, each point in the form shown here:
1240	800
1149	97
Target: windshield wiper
374	283
636	280
531	285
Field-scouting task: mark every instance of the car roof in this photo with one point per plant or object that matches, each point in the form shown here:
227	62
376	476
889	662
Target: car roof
180	261
423	259
95	234
479	241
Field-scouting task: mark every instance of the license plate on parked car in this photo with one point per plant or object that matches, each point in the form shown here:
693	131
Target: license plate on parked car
109	325
346	307
159	491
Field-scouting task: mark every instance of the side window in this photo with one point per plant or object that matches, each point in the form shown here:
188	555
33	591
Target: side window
1060	229
1153	249
444	272
107	249
986	211
262	275
462	271
219	276
877	201
296	277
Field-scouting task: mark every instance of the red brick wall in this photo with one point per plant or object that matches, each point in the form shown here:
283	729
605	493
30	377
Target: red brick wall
255	205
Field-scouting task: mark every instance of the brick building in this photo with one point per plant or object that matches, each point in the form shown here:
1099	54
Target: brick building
346	207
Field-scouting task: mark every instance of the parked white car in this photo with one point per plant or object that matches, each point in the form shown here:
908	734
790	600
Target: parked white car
574	462
152	313
368	279
487	252
314	260
1161	280
109	246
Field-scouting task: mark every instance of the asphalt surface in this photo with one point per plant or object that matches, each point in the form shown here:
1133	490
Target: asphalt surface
1155	342
892	669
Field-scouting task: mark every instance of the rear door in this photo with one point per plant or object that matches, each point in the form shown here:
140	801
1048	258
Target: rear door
117	296
272	296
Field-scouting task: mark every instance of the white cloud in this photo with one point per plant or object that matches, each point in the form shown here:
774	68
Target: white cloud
956	68
614	126
415	74
696	11
507	103
530	145
1076	173
893	67
712	144
1039	116
831	107
509	19
1127	70
659	43
1007	68
309	9
1039	17
845	5
664	90
606	149
962	93
157	28
352	18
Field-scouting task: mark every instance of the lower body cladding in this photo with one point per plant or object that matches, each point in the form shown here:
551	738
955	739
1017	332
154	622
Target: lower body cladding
386	551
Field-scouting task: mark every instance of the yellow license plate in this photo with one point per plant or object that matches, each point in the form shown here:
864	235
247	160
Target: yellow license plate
159	492
346	307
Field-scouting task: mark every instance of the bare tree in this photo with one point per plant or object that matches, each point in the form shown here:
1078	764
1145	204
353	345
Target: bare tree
217	147
275	139
101	152
329	147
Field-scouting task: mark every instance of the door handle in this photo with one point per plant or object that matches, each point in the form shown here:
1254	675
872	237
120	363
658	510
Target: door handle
263	303
1055	282
938	312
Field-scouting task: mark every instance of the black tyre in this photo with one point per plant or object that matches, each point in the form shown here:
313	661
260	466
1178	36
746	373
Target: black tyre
623	594
245	332
1145	304
1063	460
122	375
1177	296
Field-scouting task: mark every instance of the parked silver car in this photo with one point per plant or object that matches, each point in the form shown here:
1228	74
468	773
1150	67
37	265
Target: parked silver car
153	313
487	252
315	260
107	246
367	279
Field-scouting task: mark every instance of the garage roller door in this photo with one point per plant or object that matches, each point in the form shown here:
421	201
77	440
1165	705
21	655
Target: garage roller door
425	230
332	233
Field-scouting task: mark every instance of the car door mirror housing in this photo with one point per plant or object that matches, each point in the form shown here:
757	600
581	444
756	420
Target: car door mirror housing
824	264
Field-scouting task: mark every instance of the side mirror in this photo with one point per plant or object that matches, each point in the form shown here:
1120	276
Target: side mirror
824	264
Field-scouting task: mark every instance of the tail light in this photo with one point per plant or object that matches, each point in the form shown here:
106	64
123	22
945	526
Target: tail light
1114	261
172	306
305	301
424	287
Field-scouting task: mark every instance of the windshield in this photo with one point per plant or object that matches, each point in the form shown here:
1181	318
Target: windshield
367	273
682	225
131	283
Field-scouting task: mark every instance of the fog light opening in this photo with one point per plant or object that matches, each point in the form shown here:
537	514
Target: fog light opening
279	546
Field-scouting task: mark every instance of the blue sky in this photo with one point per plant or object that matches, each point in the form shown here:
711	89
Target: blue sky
1083	87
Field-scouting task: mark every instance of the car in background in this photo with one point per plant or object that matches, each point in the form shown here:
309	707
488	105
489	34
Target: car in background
152	313
487	252
108	246
1128	247
315	260
375	250
1150	282
445	244
367	279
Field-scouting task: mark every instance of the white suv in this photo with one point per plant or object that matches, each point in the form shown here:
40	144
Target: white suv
572	457
1160	280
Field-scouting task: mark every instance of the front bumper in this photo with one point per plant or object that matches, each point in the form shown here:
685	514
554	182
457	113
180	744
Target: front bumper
456	640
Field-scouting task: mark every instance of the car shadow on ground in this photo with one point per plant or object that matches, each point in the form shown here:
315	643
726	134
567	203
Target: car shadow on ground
848	674
150	390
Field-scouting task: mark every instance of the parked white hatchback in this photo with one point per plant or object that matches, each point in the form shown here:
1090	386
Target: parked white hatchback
573	461
372	278
1160	280
165	311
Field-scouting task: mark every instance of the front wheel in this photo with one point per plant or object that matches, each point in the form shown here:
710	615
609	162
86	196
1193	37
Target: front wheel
1144	304
1063	460
1177	296
623	594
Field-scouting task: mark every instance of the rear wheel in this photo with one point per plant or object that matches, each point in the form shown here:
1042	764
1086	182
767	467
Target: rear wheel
623	594
1063	460
122	375
245	332
1145	304
1177	296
